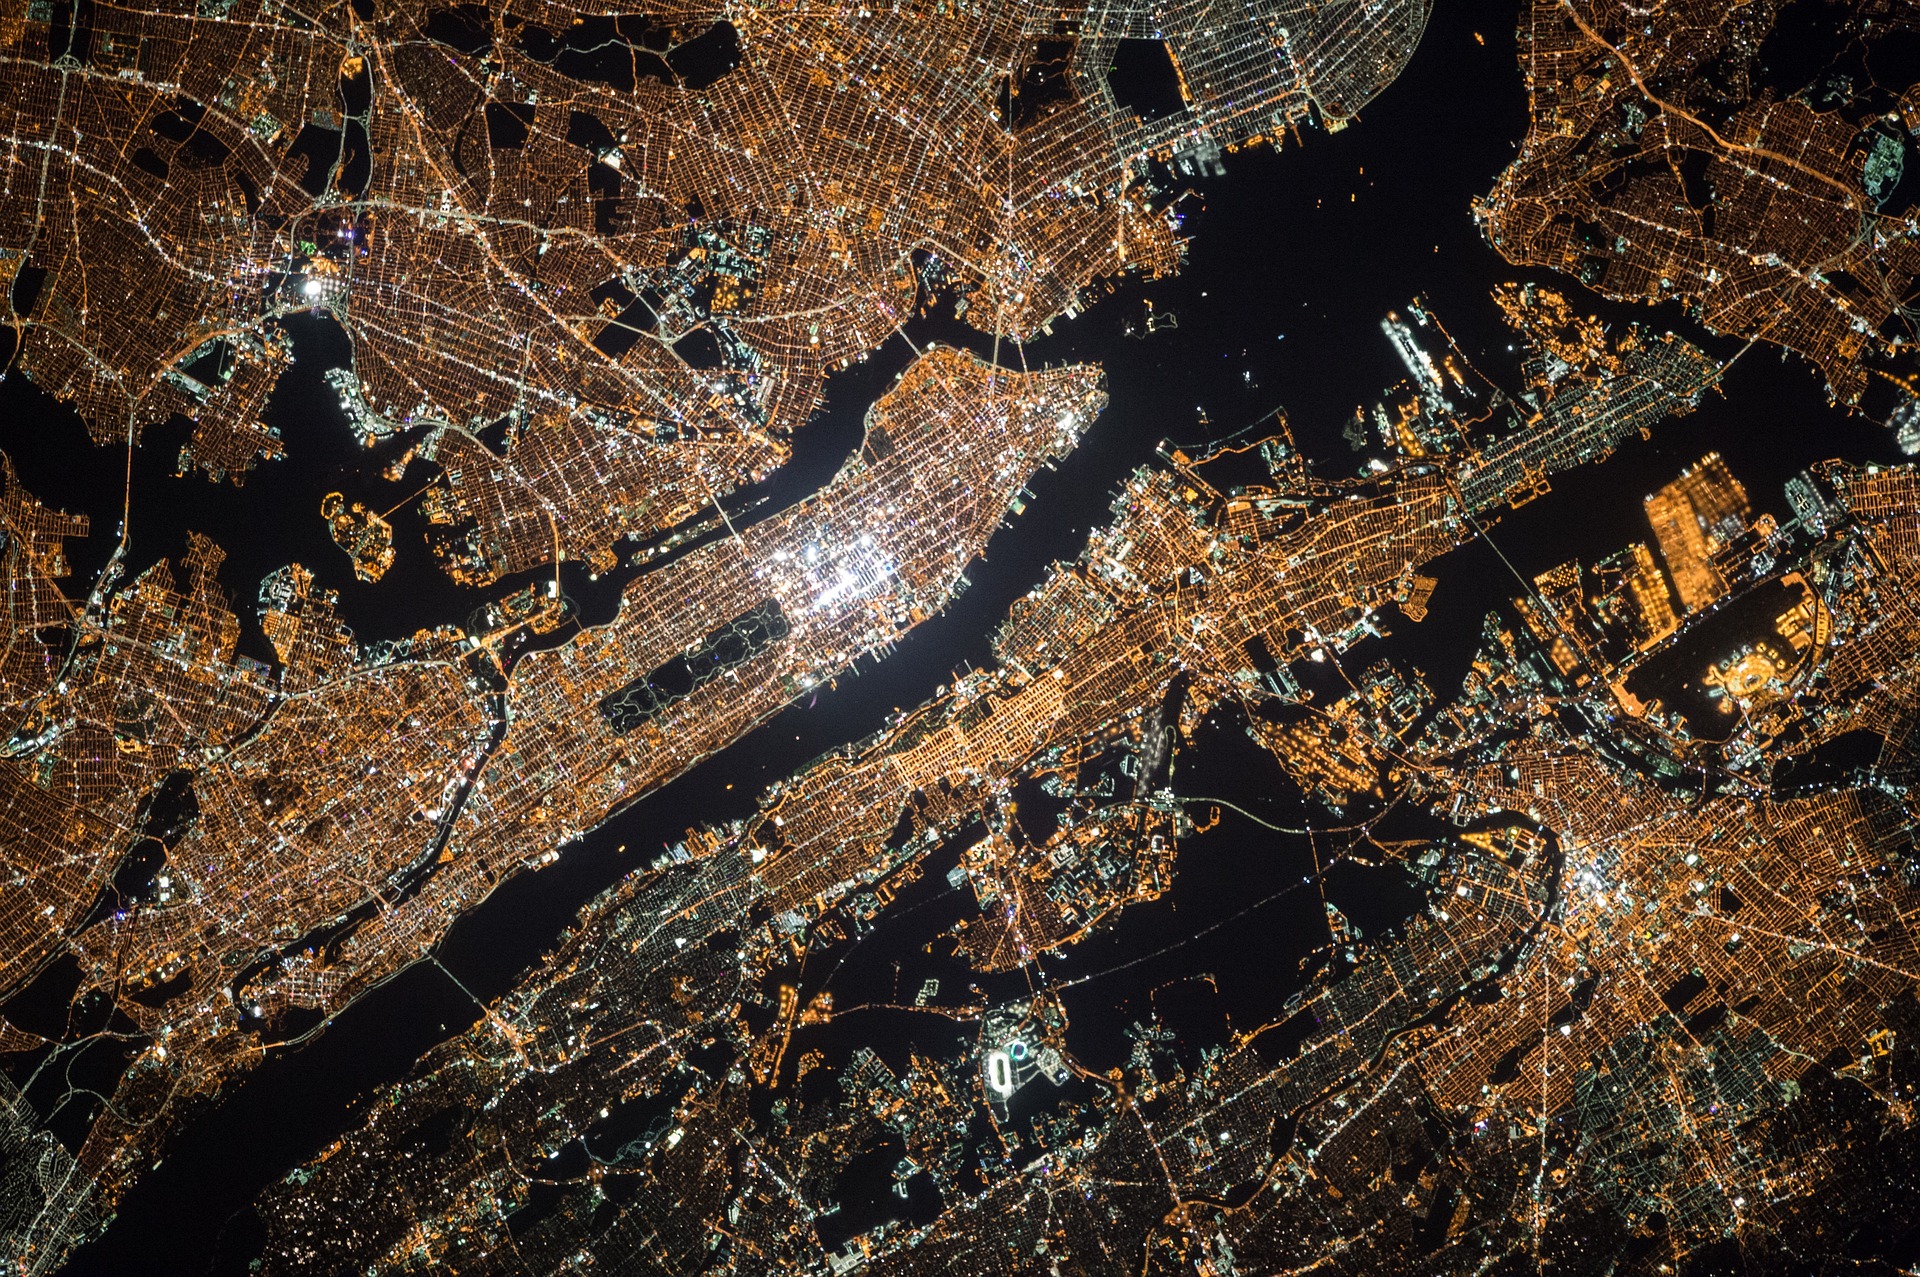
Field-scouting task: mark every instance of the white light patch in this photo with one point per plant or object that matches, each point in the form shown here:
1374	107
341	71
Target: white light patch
1000	1073
858	571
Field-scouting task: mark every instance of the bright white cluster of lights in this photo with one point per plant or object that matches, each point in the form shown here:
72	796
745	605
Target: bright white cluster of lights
1418	361
1002	1065
841	574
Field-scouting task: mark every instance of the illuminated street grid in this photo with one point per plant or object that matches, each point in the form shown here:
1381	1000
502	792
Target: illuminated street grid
1600	1018
1656	167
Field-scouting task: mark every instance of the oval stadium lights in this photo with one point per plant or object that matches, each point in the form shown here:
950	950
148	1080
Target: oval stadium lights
999	1074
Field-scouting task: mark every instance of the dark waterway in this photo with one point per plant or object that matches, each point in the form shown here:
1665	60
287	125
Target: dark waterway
1296	256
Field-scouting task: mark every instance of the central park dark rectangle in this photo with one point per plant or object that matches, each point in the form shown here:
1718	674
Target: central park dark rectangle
720	649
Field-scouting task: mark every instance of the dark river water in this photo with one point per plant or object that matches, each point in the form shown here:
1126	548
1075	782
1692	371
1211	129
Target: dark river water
1296	256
